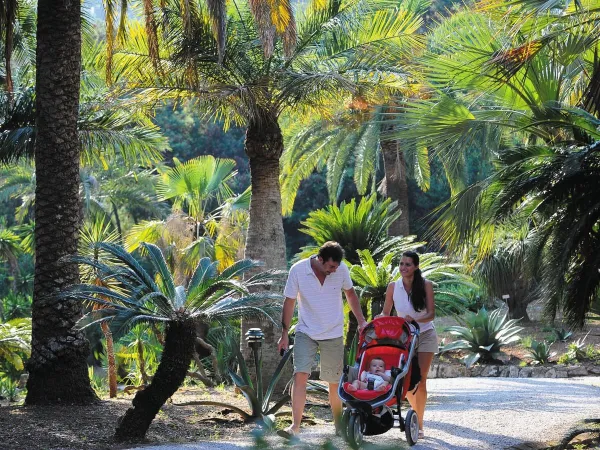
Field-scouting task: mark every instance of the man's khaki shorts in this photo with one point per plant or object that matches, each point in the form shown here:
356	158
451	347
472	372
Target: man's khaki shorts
332	356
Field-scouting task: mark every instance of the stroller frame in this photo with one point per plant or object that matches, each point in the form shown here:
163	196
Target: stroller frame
359	415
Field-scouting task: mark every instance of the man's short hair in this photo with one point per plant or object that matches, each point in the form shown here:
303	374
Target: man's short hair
331	250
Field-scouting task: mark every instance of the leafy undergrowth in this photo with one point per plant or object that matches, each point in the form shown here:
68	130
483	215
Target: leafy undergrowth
518	353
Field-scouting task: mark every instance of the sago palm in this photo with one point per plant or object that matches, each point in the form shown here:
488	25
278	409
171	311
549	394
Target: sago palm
137	297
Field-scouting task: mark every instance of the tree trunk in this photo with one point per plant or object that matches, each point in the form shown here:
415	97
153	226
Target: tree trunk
265	241
110	355
175	361
57	367
396	186
519	299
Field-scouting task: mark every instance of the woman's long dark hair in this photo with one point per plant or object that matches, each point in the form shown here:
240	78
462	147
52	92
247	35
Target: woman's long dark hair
417	295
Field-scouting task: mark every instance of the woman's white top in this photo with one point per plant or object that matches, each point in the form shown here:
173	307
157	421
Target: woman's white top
405	308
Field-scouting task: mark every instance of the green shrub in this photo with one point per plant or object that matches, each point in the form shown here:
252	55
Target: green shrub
540	352
483	335
527	341
562	335
576	350
565	359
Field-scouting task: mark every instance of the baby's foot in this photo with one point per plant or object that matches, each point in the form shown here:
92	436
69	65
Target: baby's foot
351	388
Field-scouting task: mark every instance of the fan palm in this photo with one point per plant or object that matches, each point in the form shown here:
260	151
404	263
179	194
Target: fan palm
207	218
141	298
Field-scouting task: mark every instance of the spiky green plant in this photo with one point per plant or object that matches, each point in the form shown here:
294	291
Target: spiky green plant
361	225
562	335
259	401
483	335
141	298
540	352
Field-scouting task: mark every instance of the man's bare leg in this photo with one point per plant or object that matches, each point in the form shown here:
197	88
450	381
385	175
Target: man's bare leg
298	399
336	404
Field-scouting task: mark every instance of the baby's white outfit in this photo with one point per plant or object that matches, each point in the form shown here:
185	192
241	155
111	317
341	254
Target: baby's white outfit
377	379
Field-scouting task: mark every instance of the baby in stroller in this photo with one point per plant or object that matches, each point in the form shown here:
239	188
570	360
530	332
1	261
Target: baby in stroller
386	354
376	378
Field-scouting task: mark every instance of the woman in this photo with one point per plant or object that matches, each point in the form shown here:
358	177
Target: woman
412	296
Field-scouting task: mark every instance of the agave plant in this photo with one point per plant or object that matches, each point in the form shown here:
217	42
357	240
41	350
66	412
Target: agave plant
540	352
562	335
483	335
140	298
259	401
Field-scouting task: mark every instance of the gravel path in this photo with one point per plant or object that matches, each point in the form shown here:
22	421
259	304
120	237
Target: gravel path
473	413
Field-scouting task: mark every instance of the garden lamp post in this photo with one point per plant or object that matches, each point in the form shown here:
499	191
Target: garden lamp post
254	338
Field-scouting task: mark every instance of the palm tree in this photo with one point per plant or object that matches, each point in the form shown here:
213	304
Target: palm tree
353	136
141	299
536	113
57	367
249	86
98	229
207	218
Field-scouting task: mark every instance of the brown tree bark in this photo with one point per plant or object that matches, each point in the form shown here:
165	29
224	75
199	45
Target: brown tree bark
396	186
266	240
57	367
110	355
170	374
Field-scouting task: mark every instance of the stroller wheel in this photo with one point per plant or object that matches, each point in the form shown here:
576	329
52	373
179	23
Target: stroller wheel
355	430
345	423
412	427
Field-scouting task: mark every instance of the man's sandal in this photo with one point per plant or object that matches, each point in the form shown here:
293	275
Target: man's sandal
288	433
421	434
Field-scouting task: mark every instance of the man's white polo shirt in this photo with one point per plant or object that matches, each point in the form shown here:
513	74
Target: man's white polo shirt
320	307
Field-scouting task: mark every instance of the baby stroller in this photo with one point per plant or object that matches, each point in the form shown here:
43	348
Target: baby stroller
370	412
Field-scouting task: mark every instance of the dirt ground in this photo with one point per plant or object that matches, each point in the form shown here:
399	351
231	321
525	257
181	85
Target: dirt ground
92	427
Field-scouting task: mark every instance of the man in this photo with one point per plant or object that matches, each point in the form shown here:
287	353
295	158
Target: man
317	283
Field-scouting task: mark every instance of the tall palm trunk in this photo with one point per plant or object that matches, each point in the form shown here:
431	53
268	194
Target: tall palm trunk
265	241
396	185
57	367
170	374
